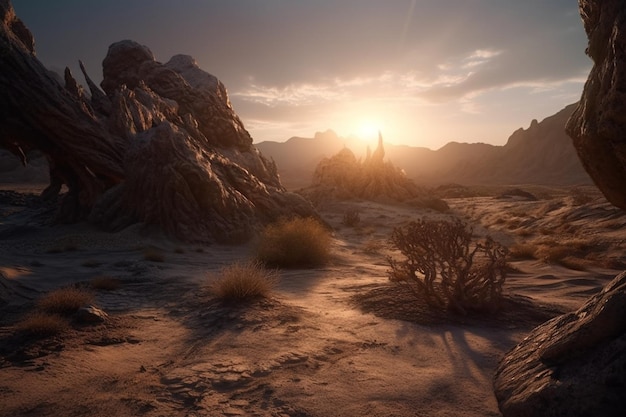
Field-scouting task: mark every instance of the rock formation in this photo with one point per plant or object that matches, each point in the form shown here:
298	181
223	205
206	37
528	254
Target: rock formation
575	365
161	144
343	177
598	125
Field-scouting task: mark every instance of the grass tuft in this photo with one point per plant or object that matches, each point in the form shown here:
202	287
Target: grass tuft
243	282
40	324
64	301
299	242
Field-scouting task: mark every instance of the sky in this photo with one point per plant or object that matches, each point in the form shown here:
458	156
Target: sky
423	72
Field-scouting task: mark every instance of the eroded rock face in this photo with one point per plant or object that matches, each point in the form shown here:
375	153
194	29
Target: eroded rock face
598	125
161	144
575	365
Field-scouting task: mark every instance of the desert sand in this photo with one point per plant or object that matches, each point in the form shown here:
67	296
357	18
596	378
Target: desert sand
335	341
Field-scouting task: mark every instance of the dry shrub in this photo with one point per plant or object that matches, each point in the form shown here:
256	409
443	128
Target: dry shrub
243	282
298	242
372	246
445	268
556	250
105	283
65	301
40	324
552	253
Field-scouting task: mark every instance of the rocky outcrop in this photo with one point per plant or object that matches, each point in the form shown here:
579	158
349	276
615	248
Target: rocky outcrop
343	177
161	144
575	365
598	125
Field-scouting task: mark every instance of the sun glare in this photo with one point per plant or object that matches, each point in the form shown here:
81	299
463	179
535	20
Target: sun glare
368	130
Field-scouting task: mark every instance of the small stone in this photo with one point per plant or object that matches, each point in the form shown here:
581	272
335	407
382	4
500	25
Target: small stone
91	315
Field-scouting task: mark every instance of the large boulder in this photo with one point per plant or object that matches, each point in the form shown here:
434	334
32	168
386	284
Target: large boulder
575	365
159	144
598	125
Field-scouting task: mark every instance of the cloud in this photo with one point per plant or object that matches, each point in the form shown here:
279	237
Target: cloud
292	94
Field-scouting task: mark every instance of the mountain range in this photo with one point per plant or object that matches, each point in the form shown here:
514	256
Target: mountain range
541	154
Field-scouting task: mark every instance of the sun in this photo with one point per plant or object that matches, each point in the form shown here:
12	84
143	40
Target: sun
368	129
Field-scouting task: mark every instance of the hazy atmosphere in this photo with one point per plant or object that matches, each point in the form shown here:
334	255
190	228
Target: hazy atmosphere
424	72
205	234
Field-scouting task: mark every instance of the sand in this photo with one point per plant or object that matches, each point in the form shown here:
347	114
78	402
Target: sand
334	341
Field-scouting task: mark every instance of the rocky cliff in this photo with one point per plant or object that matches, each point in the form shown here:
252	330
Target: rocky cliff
159	143
575	365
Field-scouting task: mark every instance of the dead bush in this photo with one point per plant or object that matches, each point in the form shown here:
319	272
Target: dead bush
244	281
444	267
299	242
65	301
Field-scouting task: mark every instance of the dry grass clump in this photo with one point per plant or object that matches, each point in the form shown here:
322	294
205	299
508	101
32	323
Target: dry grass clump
298	242
243	282
40	324
105	283
64	301
577	253
522	251
372	246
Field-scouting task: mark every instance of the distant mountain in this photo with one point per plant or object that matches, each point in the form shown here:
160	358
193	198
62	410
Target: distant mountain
297	157
542	154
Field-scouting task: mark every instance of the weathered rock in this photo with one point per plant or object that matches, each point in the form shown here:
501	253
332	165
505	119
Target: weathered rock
343	176
598	125
163	145
575	365
91	315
